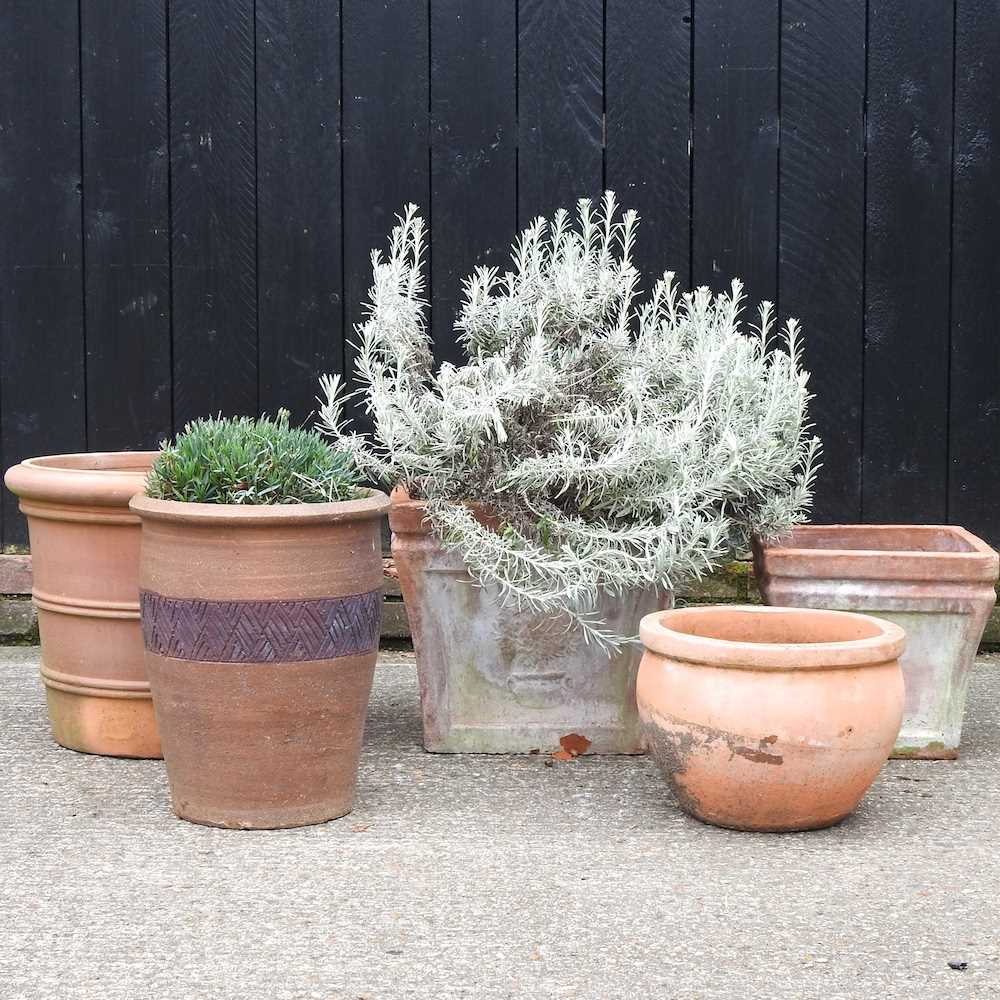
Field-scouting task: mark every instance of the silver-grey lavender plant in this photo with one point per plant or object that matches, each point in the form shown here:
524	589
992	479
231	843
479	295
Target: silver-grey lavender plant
623	444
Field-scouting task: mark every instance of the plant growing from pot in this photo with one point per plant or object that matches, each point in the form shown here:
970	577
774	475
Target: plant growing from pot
593	451
85	585
260	576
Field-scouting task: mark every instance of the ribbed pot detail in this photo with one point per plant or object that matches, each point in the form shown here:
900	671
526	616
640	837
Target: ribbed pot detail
85	567
770	719
261	631
497	680
935	581
261	627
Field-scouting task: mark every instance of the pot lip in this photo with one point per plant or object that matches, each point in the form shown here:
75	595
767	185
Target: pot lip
96	478
374	505
407	516
885	646
979	562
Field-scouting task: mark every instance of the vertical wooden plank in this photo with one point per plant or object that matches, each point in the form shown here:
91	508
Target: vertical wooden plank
213	196
907	260
974	480
473	149
126	225
735	149
648	109
821	227
42	408
300	272
560	104
385	134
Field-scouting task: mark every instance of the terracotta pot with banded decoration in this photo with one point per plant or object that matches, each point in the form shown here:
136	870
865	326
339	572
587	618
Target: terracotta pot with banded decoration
261	627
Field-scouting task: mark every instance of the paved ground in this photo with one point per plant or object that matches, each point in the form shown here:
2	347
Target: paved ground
489	877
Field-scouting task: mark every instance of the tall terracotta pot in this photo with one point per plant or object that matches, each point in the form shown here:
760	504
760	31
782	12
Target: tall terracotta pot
261	627
85	567
497	680
936	581
770	719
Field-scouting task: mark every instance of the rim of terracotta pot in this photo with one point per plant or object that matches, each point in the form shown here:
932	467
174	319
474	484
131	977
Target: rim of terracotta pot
409	517
374	504
771	638
978	562
97	478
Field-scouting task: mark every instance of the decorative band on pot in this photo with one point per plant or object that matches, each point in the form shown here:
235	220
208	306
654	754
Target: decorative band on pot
280	631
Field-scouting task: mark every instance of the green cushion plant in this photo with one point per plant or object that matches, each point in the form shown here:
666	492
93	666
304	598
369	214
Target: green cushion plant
246	460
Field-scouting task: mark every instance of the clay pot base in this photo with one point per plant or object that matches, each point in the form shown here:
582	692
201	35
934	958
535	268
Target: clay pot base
106	726
255	820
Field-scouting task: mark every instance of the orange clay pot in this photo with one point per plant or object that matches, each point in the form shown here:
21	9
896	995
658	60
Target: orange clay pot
85	566
261	628
770	718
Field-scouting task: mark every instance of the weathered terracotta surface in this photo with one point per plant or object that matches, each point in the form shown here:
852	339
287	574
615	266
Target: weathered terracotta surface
261	628
936	581
770	719
498	680
85	559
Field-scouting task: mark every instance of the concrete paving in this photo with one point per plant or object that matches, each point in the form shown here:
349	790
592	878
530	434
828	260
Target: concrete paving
489	877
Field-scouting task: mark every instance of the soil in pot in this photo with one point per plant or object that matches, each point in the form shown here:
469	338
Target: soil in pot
770	719
261	627
497	680
935	581
85	567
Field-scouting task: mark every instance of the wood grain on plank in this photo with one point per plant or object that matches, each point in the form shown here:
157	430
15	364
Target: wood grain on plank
385	137
647	101
908	245
734	195
42	408
126	223
974	480
473	150
560	105
821	227
300	270
213	192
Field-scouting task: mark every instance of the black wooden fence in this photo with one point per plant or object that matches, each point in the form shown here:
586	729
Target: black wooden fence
189	190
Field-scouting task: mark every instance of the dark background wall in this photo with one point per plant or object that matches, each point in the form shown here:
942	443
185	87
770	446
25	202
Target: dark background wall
189	191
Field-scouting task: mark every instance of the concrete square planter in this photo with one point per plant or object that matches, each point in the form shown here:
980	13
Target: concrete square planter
498	680
936	581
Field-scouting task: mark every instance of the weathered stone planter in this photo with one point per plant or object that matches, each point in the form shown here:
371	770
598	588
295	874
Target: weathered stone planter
85	563
261	629
770	719
496	680
937	582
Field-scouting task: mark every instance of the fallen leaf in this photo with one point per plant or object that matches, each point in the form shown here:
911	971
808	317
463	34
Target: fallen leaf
563	755
574	743
360	827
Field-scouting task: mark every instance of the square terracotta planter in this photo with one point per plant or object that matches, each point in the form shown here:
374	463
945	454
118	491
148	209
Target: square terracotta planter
936	581
497	680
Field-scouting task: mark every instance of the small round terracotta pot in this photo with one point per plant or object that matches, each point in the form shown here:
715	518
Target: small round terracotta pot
770	719
261	627
85	569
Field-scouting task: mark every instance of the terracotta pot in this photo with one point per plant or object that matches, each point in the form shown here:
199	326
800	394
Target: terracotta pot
936	581
85	568
770	718
261	628
497	680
